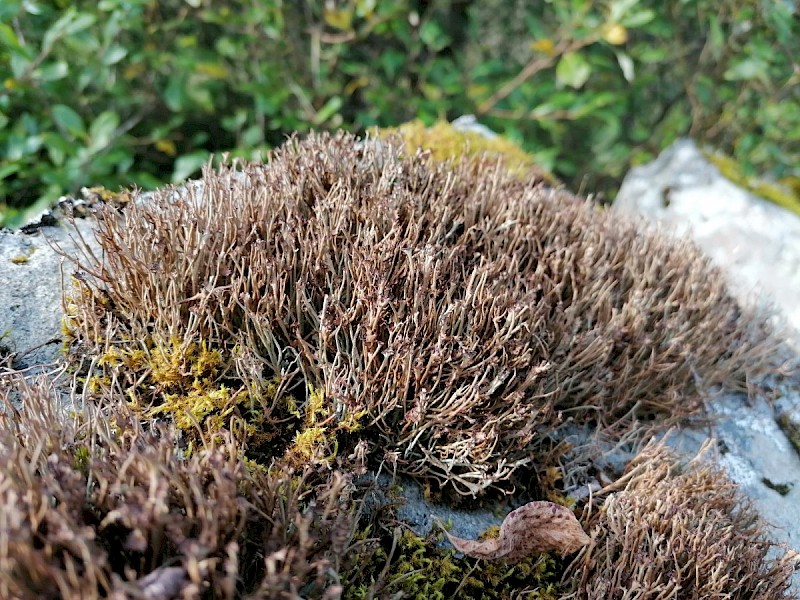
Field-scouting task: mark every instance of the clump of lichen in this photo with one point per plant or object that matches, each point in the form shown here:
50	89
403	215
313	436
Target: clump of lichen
99	504
455	313
248	347
102	505
673	530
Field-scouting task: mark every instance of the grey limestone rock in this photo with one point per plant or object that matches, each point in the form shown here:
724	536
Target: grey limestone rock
32	275
757	245
754	241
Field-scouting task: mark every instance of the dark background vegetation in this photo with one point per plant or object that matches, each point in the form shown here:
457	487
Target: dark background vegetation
122	92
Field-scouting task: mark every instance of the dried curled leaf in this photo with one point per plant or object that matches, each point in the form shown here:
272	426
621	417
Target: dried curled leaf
534	527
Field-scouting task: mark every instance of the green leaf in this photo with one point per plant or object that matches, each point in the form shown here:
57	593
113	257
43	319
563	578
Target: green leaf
626	64
572	70
52	71
8	38
113	55
639	18
747	69
175	94
101	131
68	120
9	169
188	165
200	95
328	110
70	23
226	47
19	65
618	9
81	22
252	136
433	36
21	145
392	61
8	10
716	37
57	147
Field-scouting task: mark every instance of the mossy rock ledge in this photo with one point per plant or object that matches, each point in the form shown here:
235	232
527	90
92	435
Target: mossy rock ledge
263	366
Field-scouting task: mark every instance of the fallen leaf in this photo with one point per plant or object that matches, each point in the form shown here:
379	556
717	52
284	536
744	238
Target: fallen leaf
534	527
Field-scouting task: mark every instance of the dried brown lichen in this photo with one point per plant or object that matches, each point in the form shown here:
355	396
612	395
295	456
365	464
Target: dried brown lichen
680	532
461	315
99	505
249	343
102	506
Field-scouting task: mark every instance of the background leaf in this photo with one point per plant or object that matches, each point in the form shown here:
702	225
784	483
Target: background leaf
573	70
68	119
188	164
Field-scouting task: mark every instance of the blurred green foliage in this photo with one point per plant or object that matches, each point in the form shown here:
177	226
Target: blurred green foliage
122	92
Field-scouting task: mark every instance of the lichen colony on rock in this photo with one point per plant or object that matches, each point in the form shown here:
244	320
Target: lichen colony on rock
461	315
250	347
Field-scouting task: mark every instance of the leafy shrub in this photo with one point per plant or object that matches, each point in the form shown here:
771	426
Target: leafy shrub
612	83
138	91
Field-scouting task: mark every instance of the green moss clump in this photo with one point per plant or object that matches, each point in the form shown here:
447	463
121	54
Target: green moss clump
445	142
194	389
187	377
410	566
22	259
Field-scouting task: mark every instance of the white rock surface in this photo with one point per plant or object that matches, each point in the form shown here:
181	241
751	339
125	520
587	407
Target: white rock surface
31	273
756	242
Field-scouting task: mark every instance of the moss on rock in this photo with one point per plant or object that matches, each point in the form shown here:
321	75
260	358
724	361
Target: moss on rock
252	344
784	194
446	143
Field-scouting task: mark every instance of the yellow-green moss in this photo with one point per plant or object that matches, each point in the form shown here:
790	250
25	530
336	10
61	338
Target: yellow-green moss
309	443
314	409
106	195
21	259
421	569
171	365
316	441
196	395
131	358
784	194
81	459
791	428
190	410
445	142
186	374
